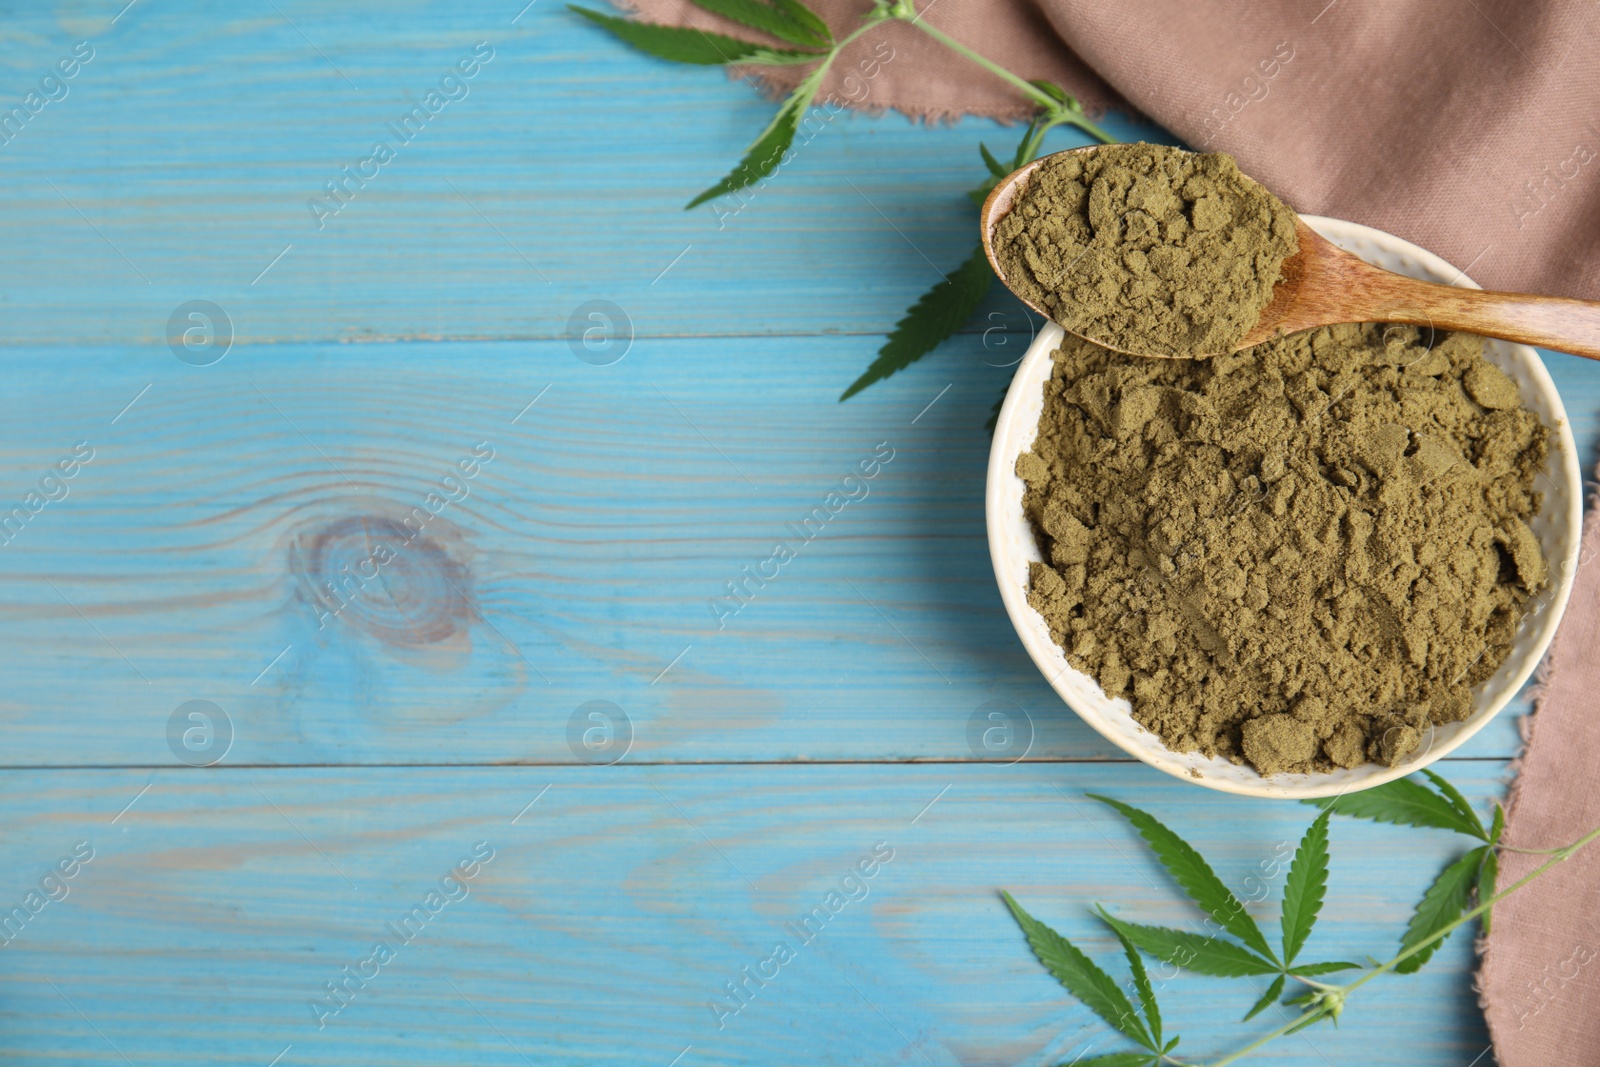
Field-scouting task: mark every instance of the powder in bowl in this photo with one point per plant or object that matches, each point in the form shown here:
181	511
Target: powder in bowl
1300	556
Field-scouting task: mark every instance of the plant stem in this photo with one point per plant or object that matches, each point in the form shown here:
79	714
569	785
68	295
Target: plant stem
1045	125
1273	1036
1560	855
857	32
1061	112
1033	92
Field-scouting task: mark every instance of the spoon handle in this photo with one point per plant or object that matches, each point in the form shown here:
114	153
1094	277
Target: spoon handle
1557	322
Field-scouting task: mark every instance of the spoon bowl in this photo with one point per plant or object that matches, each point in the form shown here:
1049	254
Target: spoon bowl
1322	284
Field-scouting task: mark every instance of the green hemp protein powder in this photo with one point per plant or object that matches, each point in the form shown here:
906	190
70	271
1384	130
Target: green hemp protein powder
1299	556
1151	249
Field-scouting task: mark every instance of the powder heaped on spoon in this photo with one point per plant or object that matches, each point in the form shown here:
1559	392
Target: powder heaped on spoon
1147	248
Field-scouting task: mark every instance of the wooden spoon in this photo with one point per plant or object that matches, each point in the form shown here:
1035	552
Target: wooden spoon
1322	284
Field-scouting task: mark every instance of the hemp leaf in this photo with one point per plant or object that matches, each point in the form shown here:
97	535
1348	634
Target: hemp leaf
1273	992
1404	802
938	314
1054	91
994	412
1305	886
1201	953
1141	983
945	308
1440	906
1442	909
767	151
781	22
1487	874
1084	979
1311	970
684	44
1195	875
992	163
1459	803
805	17
1408	802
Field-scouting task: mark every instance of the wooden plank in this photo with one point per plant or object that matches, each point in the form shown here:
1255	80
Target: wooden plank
583	562
219	903
180	165
598	550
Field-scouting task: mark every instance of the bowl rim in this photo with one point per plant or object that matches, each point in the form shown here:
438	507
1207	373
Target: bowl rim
1051	660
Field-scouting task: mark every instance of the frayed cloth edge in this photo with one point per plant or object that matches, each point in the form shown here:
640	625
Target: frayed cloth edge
1525	730
931	116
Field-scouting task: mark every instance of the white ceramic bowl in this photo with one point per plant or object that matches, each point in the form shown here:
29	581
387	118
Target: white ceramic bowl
1012	546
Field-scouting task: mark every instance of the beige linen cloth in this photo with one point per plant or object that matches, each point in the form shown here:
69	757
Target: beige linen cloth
1540	980
1471	127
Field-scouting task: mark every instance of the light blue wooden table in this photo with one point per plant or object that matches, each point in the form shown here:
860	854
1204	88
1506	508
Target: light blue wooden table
374	747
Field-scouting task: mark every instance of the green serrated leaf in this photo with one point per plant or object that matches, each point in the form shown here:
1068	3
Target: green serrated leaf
1272	993
1497	824
759	15
937	315
1195	875
1080	975
1021	155
1141	982
1440	906
1459	803
997	171
1200	953
683	44
767	151
1488	874
1058	94
994	412
803	16
1170	1046
1312	970
1116	1059
1050	89
992	163
1305	887
1402	802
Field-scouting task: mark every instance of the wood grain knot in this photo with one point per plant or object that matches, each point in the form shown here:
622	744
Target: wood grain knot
385	577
